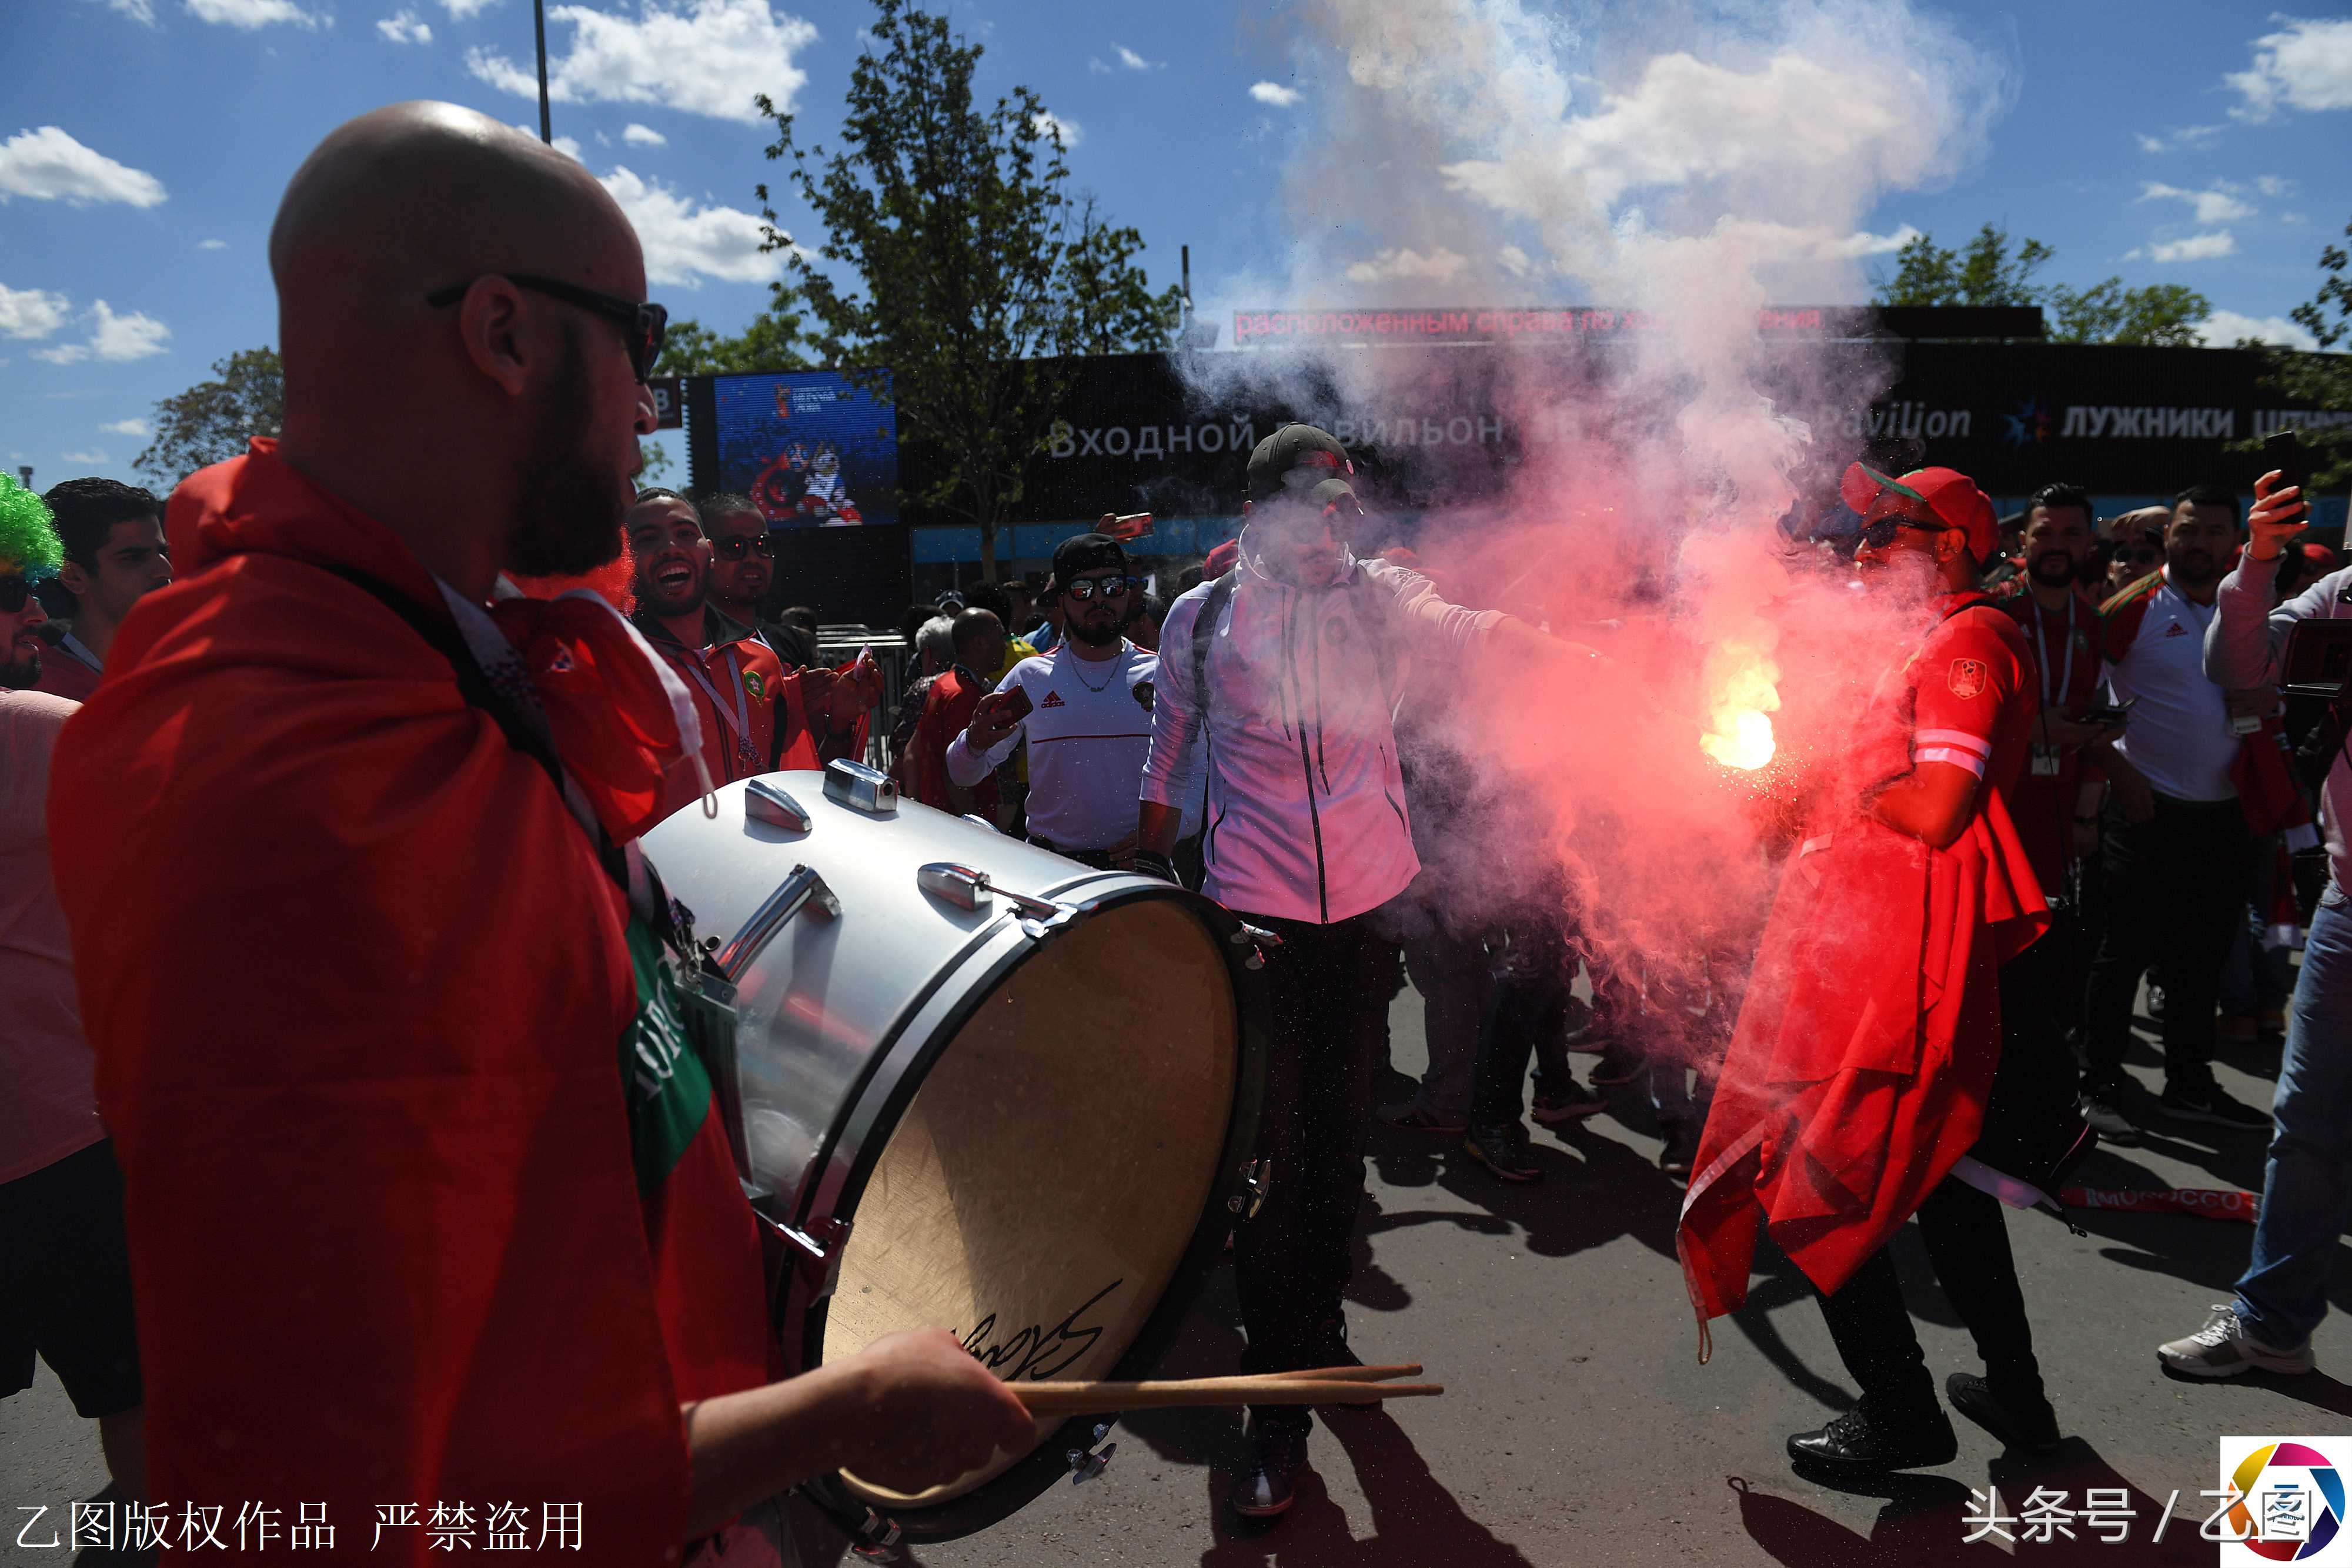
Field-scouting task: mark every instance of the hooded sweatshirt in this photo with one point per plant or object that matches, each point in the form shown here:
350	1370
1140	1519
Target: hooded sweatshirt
356	983
1306	815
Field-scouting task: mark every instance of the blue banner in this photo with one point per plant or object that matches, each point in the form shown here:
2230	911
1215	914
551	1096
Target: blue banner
812	449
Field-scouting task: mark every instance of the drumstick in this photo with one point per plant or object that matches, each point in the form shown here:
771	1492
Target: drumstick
1349	1373
1108	1398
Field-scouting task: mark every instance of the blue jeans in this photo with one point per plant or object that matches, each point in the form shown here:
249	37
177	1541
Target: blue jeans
2307	1185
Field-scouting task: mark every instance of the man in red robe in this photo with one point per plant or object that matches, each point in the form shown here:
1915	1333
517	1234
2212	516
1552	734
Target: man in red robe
1865	1052
415	1199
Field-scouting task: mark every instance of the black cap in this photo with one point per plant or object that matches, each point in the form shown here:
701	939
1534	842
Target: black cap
1294	458
1085	553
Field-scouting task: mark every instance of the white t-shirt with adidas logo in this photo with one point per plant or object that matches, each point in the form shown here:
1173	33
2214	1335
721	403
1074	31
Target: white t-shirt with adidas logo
1088	730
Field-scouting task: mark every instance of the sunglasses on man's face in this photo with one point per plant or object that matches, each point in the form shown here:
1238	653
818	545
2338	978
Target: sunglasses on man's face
1084	587
742	545
13	593
643	326
1878	535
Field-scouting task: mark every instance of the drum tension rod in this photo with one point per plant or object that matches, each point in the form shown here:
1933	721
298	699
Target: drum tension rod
1088	1462
969	889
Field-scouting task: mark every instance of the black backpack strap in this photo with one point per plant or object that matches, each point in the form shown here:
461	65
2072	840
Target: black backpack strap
1205	631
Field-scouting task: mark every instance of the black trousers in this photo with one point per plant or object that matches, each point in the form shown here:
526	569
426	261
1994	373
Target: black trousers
1293	1261
1968	1241
2173	891
1526	1013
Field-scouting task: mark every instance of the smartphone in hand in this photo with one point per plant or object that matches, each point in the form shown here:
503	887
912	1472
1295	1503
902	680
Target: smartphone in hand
2282	452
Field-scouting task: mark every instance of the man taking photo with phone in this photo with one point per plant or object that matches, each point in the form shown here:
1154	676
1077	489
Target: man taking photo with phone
2307	1181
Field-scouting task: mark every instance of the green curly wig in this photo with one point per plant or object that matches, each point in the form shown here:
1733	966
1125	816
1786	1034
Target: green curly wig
28	539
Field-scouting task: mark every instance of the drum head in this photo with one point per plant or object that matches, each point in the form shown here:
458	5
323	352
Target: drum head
1043	1185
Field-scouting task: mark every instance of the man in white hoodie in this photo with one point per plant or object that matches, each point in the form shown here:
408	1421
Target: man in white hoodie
1287	669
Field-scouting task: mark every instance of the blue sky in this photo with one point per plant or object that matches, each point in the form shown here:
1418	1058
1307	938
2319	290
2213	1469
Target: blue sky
145	143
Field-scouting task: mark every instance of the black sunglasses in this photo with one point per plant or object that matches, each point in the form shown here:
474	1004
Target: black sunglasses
741	545
643	326
13	593
1880	534
1084	587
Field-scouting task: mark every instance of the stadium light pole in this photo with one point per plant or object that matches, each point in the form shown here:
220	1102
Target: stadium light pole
539	21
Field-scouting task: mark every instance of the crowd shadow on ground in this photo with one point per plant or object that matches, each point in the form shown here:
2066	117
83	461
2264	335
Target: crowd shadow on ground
1925	1520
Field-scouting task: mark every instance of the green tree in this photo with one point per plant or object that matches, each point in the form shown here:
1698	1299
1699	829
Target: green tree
974	256
1986	271
2321	381
772	342
211	420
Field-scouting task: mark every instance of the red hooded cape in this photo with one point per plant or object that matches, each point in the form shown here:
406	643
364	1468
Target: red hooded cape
355	983
1858	1072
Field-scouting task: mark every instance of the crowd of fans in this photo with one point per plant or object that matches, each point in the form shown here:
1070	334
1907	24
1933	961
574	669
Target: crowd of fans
386	753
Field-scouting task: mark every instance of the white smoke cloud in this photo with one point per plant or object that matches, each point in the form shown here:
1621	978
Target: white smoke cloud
1690	163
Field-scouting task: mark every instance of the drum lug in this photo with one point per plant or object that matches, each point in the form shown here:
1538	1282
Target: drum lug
816	1252
804	889
1088	1463
860	788
1255	1176
763	801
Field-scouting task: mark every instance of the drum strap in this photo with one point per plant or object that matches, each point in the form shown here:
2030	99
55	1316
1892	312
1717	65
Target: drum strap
702	1006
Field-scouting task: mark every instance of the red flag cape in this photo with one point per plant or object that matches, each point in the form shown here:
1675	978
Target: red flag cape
1858	1071
355	981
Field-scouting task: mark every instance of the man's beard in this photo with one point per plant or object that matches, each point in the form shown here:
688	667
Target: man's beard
21	677
1094	636
568	515
2192	565
2063	576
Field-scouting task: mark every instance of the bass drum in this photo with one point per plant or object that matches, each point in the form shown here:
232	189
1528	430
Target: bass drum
978	1087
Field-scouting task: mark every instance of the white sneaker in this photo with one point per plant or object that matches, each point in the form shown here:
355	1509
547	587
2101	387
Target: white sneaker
2223	1348
2105	1117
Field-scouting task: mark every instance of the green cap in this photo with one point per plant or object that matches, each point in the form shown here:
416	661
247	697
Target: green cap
1293	458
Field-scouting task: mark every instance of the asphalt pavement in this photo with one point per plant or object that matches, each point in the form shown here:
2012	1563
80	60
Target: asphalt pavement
1578	1427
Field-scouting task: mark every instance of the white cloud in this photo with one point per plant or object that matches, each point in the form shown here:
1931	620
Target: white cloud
2293	220
685	243
2225	328
132	336
459	10
568	147
402	27
1686	120
2180	139
49	165
92	459
1132	60
2213	206
643	136
1047	122
406	26
250	15
32	312
140	11
212	244
1398	265
708	58
1515	261
63	354
1275	93
134	428
2272	185
2196	247
2307	66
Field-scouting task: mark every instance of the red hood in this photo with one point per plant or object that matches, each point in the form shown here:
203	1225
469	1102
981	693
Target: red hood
259	502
